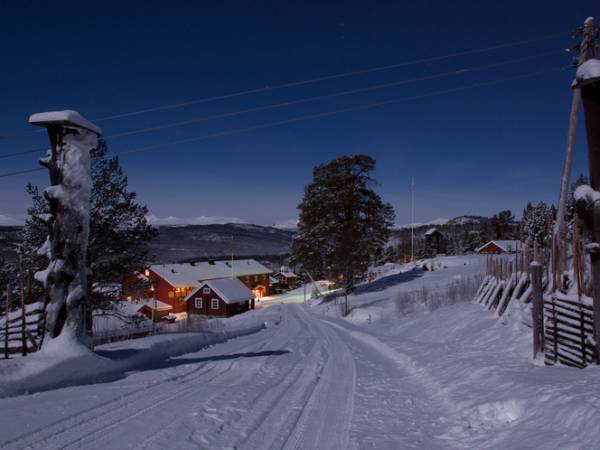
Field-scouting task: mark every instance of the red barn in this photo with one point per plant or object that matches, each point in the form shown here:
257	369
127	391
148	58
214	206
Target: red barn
499	247
224	297
172	283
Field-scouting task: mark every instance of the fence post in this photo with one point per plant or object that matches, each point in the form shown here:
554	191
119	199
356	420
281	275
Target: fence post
537	310
6	321
23	314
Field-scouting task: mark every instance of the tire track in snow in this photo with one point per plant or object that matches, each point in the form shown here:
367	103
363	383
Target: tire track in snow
284	333
326	418
430	418
82	420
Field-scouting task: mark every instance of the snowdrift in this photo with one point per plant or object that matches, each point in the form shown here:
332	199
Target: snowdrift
65	365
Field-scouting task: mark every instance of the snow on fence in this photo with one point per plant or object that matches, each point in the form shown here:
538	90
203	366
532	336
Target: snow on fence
14	324
569	330
561	319
506	280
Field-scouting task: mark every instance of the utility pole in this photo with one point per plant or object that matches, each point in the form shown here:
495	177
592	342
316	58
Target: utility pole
587	50
232	272
588	84
72	137
412	220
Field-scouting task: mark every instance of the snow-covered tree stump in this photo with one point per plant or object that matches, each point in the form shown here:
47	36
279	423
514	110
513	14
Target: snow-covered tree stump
68	161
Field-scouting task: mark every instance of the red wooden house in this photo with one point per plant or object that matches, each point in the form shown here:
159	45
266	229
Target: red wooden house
223	297
286	280
172	283
499	247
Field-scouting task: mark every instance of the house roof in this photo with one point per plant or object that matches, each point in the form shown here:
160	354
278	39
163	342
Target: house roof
287	274
183	275
231	290
506	245
432	231
160	306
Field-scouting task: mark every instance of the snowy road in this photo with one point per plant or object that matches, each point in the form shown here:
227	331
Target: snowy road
307	382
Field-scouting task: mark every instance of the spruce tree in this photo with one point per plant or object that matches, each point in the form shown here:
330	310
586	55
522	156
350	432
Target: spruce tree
344	225
537	224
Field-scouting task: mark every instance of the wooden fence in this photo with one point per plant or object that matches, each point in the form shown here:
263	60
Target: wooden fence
506	281
568	331
564	321
20	333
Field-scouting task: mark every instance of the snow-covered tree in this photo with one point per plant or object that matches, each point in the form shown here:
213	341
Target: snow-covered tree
119	230
344	225
537	223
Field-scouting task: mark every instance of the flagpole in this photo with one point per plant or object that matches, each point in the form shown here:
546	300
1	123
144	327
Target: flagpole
412	221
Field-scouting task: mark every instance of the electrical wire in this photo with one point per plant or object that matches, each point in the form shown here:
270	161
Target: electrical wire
307	99
315	116
316	80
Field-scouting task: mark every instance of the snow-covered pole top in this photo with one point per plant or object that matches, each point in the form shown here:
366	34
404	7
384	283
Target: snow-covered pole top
588	72
67	118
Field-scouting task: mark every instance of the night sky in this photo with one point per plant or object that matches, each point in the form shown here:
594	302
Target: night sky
475	151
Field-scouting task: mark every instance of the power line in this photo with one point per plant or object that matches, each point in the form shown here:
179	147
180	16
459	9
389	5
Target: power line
309	99
316	116
331	77
314	80
327	96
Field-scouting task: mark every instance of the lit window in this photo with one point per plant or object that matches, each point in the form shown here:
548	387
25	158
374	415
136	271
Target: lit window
171	294
147	272
198	303
129	298
206	290
214	304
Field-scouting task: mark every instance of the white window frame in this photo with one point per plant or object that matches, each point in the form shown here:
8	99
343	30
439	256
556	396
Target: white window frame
212	303
206	290
198	301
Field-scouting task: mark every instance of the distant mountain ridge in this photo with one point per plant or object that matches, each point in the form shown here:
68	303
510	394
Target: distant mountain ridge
188	242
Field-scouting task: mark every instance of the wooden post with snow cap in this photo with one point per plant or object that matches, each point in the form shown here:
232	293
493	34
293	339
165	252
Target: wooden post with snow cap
588	200
587	49
65	279
537	310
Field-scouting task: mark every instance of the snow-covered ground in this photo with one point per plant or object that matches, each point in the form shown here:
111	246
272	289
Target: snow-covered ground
445	376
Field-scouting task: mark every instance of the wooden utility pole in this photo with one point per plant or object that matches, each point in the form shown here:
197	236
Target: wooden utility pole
587	50
72	138
591	103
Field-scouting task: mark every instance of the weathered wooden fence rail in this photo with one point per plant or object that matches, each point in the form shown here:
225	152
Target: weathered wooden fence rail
569	330
13	325
563	324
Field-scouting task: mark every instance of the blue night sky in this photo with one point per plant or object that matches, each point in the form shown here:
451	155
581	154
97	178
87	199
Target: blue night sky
471	152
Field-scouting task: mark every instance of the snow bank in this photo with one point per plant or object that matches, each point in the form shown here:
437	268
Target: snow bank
64	365
423	286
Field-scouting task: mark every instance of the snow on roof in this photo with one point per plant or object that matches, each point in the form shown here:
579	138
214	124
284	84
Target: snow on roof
588	72
231	290
431	231
67	117
184	275
287	274
150	303
506	245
